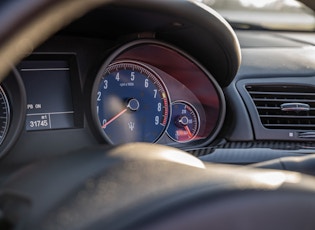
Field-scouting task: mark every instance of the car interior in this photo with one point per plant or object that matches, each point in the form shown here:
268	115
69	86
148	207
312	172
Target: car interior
157	114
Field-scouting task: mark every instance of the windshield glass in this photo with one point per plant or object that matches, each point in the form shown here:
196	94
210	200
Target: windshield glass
265	14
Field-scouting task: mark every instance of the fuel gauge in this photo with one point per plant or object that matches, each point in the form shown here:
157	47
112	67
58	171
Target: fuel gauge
184	124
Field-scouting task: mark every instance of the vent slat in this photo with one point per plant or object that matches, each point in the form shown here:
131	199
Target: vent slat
291	126
274	108
282	93
269	98
268	108
287	116
283	100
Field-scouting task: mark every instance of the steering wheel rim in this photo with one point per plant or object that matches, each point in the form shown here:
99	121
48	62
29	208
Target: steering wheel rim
146	186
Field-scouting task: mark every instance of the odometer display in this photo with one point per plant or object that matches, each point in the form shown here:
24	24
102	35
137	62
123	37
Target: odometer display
132	103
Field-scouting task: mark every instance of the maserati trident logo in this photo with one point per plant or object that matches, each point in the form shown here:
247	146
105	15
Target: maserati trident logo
131	125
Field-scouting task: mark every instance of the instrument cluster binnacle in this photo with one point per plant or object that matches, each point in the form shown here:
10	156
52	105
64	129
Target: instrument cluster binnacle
149	91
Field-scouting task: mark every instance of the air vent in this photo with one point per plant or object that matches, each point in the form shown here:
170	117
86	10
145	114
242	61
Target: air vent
284	107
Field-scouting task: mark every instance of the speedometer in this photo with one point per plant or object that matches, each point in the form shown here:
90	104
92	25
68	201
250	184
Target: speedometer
132	103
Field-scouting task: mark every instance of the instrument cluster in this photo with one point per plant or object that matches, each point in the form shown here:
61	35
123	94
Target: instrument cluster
149	91
144	91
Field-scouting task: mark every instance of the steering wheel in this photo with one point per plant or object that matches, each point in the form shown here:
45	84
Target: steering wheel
135	186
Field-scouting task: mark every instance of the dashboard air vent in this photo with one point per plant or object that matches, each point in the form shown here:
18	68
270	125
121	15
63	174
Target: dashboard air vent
284	107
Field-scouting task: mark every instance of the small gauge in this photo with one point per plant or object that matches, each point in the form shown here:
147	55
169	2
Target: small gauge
184	124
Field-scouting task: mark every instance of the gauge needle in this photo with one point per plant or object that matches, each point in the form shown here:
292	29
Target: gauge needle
114	118
190	135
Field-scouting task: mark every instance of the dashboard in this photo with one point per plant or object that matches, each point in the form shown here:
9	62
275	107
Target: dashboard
81	88
75	111
85	86
143	91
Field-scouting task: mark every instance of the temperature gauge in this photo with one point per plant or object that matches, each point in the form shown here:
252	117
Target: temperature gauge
184	124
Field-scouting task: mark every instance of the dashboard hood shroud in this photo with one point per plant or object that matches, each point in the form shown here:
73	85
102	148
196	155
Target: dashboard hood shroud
201	31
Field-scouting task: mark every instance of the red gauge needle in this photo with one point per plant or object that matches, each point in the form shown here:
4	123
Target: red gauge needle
114	118
183	121
190	135
133	105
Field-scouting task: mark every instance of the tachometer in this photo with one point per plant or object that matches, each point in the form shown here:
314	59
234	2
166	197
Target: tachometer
132	103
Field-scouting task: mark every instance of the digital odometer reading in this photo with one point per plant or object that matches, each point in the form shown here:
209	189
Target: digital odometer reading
48	91
132	103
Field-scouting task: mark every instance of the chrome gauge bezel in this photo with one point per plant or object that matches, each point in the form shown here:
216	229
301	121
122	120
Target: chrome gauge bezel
14	90
7	116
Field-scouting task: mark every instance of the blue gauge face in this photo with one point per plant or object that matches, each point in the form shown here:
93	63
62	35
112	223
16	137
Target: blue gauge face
184	124
132	103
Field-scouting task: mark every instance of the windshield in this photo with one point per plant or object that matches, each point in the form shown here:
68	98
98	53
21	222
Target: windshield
265	14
